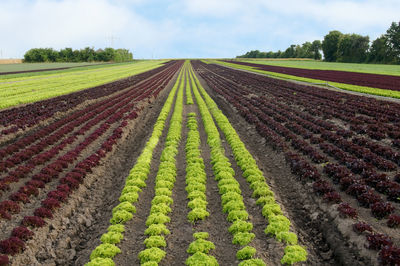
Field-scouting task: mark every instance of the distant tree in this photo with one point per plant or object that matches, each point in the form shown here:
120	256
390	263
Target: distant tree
33	55
352	48
271	54
290	52
379	51
66	55
330	45
122	55
41	55
393	40
316	46
262	55
306	50
88	54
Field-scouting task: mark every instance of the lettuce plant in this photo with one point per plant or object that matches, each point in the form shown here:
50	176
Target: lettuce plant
243	238
151	254
101	262
126	206
252	262
157	229
155	241
157	218
245	253
294	254
105	250
201	259
111	237
121	216
200	245
197	214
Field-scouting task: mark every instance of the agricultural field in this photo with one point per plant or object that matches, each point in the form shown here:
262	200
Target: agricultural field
186	162
364	78
322	65
36	86
31	67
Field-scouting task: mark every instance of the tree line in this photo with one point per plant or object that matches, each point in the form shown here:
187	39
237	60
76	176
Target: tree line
339	47
87	54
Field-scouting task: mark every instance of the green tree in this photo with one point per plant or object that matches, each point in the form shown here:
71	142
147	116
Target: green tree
33	55
290	52
316	46
125	55
352	48
66	55
330	45
379	51
306	50
87	54
393	40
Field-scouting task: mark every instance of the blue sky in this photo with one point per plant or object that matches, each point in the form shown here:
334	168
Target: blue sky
185	28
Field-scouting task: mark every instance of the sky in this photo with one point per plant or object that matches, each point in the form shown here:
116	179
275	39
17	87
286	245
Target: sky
185	28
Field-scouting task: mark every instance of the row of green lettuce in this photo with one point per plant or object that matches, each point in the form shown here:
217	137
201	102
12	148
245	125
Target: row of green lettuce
189	98
231	197
196	180
104	253
229	188
278	224
164	183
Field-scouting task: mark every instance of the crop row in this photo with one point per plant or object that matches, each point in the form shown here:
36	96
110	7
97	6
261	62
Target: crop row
31	151
278	224
356	78
229	188
196	180
273	115
21	90
36	155
109	131
189	98
19	118
103	254
165	180
279	122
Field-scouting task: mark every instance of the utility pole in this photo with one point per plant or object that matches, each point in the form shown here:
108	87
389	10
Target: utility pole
112	38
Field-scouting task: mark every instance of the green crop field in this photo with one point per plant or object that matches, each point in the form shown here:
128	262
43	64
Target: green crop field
312	64
34	87
4	68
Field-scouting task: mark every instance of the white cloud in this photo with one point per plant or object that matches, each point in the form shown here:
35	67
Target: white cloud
185	27
217	8
46	23
346	15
